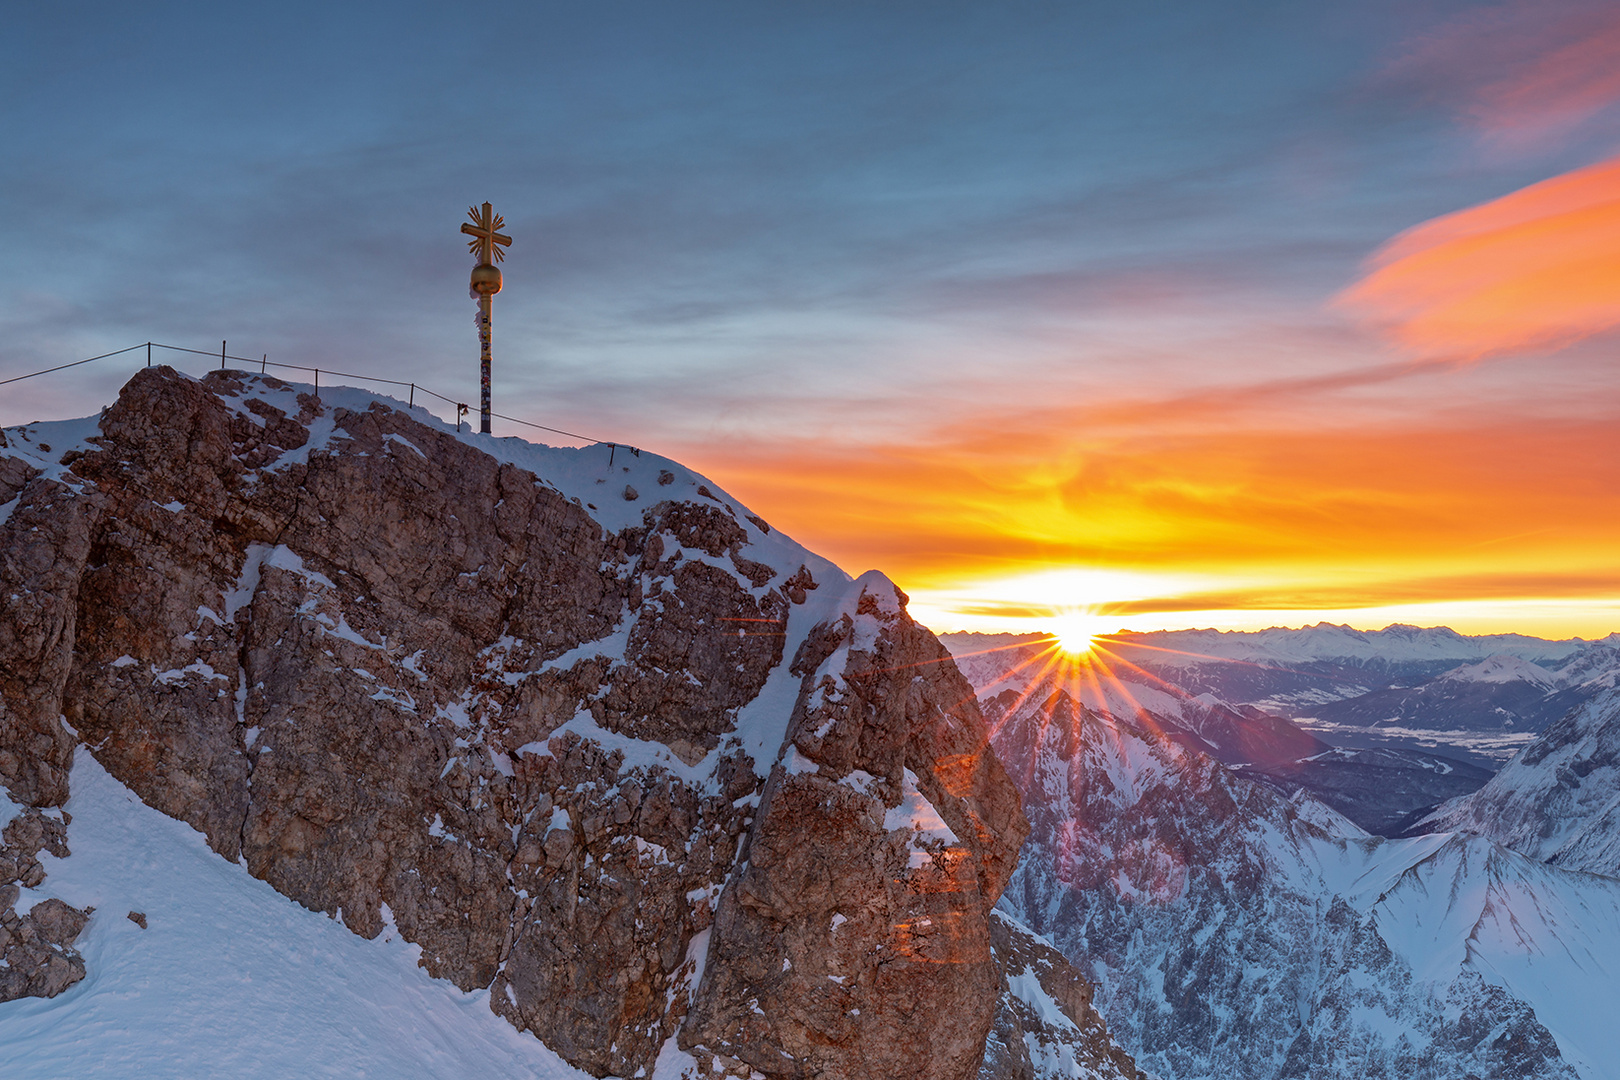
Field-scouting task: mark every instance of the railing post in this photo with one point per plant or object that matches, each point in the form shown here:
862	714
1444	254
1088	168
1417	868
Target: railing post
148	354
222	356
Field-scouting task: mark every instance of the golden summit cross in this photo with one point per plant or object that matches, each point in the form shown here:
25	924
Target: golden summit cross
486	247
488	243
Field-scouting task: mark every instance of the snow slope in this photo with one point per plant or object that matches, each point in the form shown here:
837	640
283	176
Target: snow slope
1549	937
230	978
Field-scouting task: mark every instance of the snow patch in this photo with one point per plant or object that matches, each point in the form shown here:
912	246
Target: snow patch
221	946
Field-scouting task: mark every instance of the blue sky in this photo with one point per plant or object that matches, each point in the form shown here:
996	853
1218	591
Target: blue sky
823	194
744	222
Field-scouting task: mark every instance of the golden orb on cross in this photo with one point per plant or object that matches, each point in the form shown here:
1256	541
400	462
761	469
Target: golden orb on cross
486	279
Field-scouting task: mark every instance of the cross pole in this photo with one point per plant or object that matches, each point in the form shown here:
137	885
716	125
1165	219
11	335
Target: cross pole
486	247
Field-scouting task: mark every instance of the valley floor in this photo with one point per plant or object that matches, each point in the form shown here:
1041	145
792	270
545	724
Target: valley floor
1487	749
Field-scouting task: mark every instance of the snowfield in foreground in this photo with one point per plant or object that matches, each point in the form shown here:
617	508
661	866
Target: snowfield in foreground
230	978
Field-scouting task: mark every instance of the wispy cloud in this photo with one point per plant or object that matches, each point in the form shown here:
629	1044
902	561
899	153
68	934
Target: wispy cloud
1524	75
1533	269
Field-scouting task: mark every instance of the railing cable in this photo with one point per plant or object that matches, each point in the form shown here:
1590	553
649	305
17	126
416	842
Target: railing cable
266	362
76	363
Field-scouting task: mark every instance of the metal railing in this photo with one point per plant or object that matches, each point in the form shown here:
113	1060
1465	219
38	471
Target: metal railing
265	363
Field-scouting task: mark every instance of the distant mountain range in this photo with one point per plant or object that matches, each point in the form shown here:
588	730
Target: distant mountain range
1381	725
1234	931
1425	688
1392	647
1234	914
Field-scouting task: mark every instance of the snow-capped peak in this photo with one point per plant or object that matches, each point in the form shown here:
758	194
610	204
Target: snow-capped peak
1502	668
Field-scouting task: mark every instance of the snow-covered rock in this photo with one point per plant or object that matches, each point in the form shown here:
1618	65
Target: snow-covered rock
1558	801
1502	668
1047	1028
1234	932
1596	667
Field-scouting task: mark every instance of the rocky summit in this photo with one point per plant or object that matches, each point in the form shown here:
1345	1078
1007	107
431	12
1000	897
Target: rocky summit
678	795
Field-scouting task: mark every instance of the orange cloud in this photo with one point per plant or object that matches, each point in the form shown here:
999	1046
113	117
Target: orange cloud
1291	514
1539	268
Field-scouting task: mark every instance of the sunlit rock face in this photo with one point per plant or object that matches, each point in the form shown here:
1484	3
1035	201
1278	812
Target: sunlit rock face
682	795
884	927
1234	932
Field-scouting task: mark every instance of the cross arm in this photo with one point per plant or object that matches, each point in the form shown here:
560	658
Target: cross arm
474	230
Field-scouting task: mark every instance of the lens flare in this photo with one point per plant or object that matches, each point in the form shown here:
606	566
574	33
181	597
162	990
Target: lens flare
1075	633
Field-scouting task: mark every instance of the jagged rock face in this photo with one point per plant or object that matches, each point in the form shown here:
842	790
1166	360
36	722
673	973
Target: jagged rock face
1558	800
46	540
1046	1027
1231	931
1470	1029
409	682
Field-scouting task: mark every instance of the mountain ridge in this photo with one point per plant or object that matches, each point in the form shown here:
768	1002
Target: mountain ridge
1234	931
1558	800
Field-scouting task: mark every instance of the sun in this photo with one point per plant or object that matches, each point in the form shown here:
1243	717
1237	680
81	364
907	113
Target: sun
1074	634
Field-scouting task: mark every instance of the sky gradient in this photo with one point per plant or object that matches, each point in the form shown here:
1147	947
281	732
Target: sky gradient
1137	315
